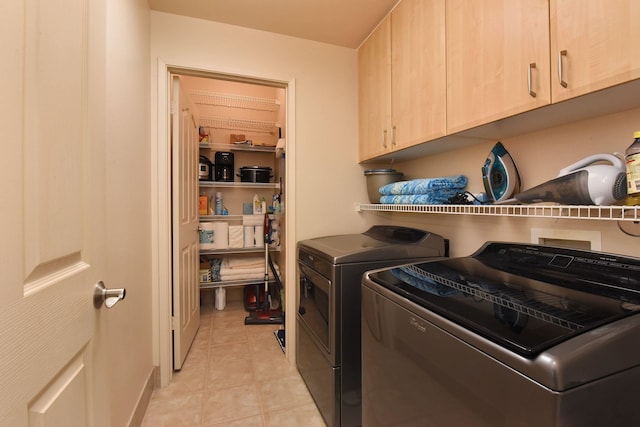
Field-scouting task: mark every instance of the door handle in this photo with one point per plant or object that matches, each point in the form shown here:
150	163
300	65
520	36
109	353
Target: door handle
108	297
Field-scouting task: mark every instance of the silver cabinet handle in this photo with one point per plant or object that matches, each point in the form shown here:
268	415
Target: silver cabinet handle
108	297
393	136
531	66
384	138
561	54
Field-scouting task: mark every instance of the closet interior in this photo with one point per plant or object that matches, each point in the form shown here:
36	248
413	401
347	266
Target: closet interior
241	193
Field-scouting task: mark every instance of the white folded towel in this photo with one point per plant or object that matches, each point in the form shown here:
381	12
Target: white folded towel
239	263
246	273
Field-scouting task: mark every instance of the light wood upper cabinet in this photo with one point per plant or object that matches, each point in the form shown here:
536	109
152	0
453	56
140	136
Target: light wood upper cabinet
594	45
374	93
497	60
418	70
402	98
445	68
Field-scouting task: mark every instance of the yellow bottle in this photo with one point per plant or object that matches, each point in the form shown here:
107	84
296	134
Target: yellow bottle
632	160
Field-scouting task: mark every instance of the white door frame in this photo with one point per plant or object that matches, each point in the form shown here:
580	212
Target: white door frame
161	214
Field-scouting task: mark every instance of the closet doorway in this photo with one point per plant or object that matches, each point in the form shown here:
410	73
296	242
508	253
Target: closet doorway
227	107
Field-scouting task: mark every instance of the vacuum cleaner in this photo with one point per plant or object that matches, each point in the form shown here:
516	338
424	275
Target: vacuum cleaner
582	183
266	312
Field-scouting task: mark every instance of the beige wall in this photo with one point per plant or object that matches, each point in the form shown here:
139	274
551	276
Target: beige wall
324	180
325	107
128	204
539	156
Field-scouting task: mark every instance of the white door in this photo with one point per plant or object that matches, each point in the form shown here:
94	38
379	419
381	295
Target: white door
52	192
184	163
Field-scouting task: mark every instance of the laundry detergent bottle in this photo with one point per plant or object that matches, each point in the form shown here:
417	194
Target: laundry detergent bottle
632	161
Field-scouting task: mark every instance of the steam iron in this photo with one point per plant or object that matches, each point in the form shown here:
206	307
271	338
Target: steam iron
500	175
583	183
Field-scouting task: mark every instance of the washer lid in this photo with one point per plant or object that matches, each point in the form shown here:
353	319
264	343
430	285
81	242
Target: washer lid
526	298
378	243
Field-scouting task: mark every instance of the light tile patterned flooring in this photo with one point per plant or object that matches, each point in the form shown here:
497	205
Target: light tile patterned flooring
234	375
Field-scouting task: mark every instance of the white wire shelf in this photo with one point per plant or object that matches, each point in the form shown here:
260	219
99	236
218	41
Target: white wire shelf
231	123
607	213
237	147
254	250
234	101
229	218
229	283
238	184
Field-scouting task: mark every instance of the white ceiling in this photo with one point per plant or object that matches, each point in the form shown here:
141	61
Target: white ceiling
339	22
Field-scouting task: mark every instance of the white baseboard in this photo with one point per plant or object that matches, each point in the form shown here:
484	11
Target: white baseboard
145	396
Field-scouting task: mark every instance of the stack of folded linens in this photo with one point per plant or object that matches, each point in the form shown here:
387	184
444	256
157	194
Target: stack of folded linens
245	268
423	191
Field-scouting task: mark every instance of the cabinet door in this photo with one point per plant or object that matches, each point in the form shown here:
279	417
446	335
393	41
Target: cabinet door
497	60
594	45
374	93
418	84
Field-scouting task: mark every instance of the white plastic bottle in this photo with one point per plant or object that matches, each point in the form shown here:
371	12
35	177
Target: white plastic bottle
257	206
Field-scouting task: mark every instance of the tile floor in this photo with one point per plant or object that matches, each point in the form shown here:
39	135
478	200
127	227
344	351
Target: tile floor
234	375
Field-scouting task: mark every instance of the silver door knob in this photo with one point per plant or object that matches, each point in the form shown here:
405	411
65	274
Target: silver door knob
108	297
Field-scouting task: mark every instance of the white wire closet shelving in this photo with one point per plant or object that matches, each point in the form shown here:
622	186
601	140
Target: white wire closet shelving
234	101
238	124
237	147
237	184
606	213
229	283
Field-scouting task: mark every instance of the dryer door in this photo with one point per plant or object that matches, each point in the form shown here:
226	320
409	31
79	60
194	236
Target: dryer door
317	308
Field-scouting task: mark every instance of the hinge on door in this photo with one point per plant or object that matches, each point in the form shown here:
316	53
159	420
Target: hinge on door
173	107
173	323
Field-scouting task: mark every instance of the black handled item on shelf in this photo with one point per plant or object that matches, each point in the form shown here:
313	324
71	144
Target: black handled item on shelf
266	314
267	304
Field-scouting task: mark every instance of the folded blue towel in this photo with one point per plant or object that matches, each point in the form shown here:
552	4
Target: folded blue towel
424	185
435	197
423	282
